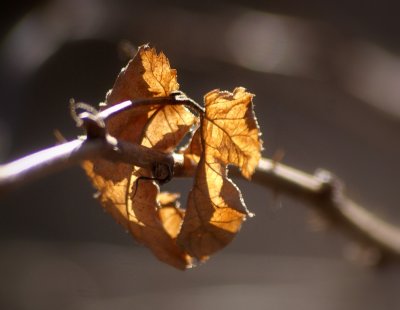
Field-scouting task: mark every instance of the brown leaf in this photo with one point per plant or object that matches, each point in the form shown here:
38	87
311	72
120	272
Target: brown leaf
167	199
135	81
172	219
192	153
163	132
171	215
148	227
232	128
228	135
141	219
132	201
147	75
215	210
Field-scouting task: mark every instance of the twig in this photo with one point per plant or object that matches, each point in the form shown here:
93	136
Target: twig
98	143
323	191
62	156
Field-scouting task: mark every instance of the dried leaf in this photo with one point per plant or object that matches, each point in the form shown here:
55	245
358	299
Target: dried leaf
163	132
215	210
172	218
228	134
144	222
132	201
147	75
166	199
233	129
192	153
171	215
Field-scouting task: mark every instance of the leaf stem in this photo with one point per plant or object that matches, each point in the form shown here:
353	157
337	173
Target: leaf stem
176	98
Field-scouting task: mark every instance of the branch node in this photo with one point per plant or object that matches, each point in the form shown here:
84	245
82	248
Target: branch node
193	106
94	126
88	118
163	172
331	186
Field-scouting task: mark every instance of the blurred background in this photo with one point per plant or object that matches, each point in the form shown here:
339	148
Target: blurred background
326	77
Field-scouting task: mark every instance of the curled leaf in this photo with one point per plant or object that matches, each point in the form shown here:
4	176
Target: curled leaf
232	129
147	75
171	215
166	199
125	190
192	153
216	210
228	134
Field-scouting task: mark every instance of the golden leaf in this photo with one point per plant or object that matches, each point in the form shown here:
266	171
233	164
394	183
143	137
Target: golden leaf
228	134
232	129
147	75
166	199
163	132
170	214
215	210
144	222
192	153
132	201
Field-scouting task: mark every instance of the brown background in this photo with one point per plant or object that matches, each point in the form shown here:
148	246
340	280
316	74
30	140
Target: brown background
325	77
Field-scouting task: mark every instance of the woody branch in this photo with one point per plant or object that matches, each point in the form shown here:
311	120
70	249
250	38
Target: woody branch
323	191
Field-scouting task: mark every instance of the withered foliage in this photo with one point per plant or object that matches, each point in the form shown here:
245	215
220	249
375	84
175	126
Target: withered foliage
227	133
